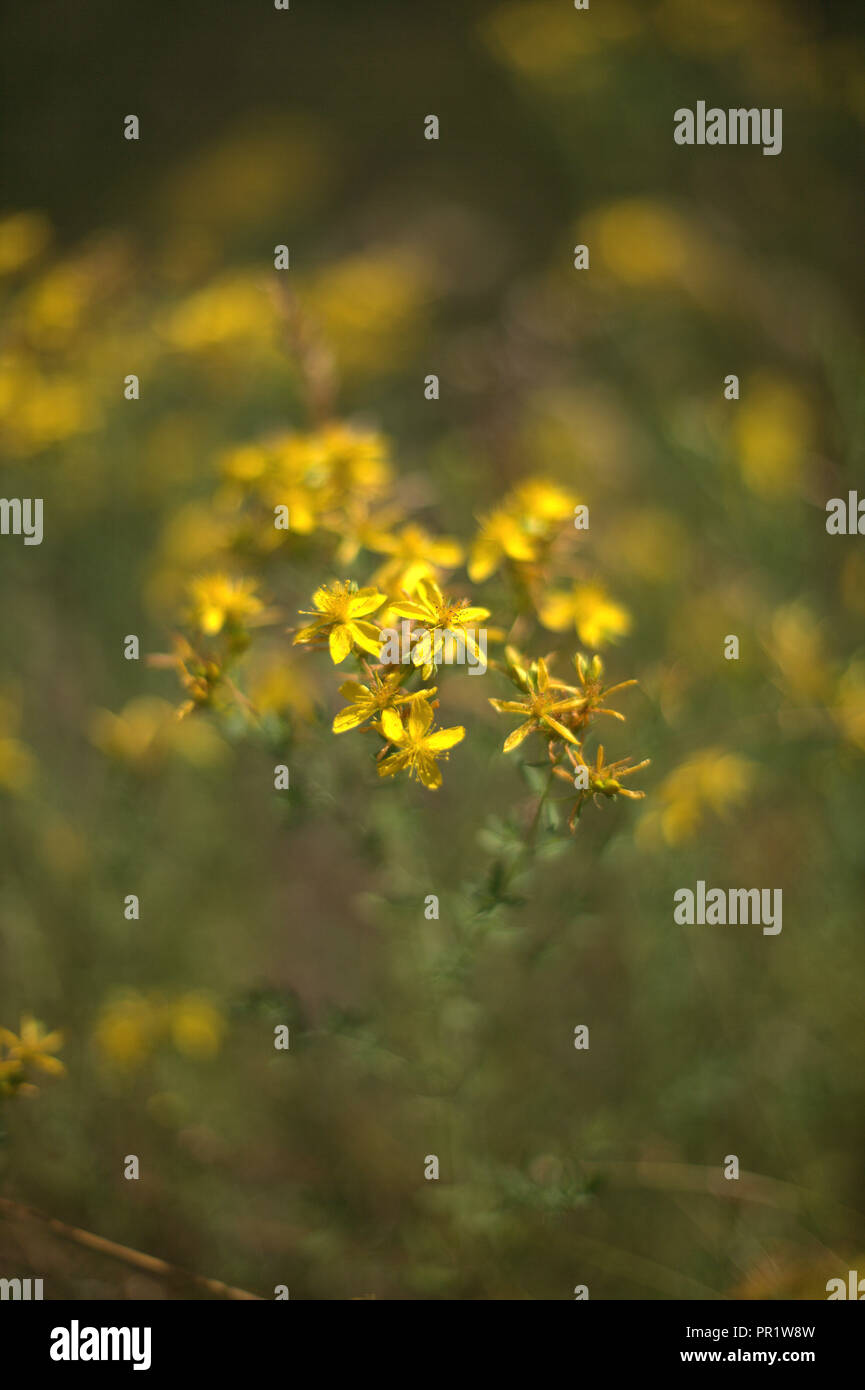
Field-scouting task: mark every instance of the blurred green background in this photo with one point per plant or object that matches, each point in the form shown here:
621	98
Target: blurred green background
453	1037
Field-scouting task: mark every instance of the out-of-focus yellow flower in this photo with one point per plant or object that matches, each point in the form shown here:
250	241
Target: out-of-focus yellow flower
132	1026
416	555
34	1048
277	686
23	236
127	1030
52	308
360	527
644	243
419	745
527	518
542	37
233	310
538	501
369	307
217	602
597	619
196	1026
246	463
796	645
849	708
339	613
713	780
502	536
345	456
327	478
773	433
194	538
147	733
193	534
37	411
17	765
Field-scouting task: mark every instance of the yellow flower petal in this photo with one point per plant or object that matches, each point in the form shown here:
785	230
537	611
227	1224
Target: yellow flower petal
340	643
392	726
350	718
559	728
366	635
353	690
410	610
395	763
445	738
430	594
365	601
323	599
515	739
419	719
428	771
484	558
557	611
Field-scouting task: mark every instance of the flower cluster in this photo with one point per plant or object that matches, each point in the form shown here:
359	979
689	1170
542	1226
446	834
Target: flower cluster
562	715
330	495
134	1025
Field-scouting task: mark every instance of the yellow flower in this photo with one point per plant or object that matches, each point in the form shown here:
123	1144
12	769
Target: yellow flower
543	701
196	1026
604	779
594	693
33	1047
597	619
416	555
359	528
439	615
23	235
232	311
712	779
339	610
370	701
849	708
773	432
146	733
353	459
370	307
218	602
280	687
39	410
541	502
419	746
644	243
127	1030
17	765
502	536
797	645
